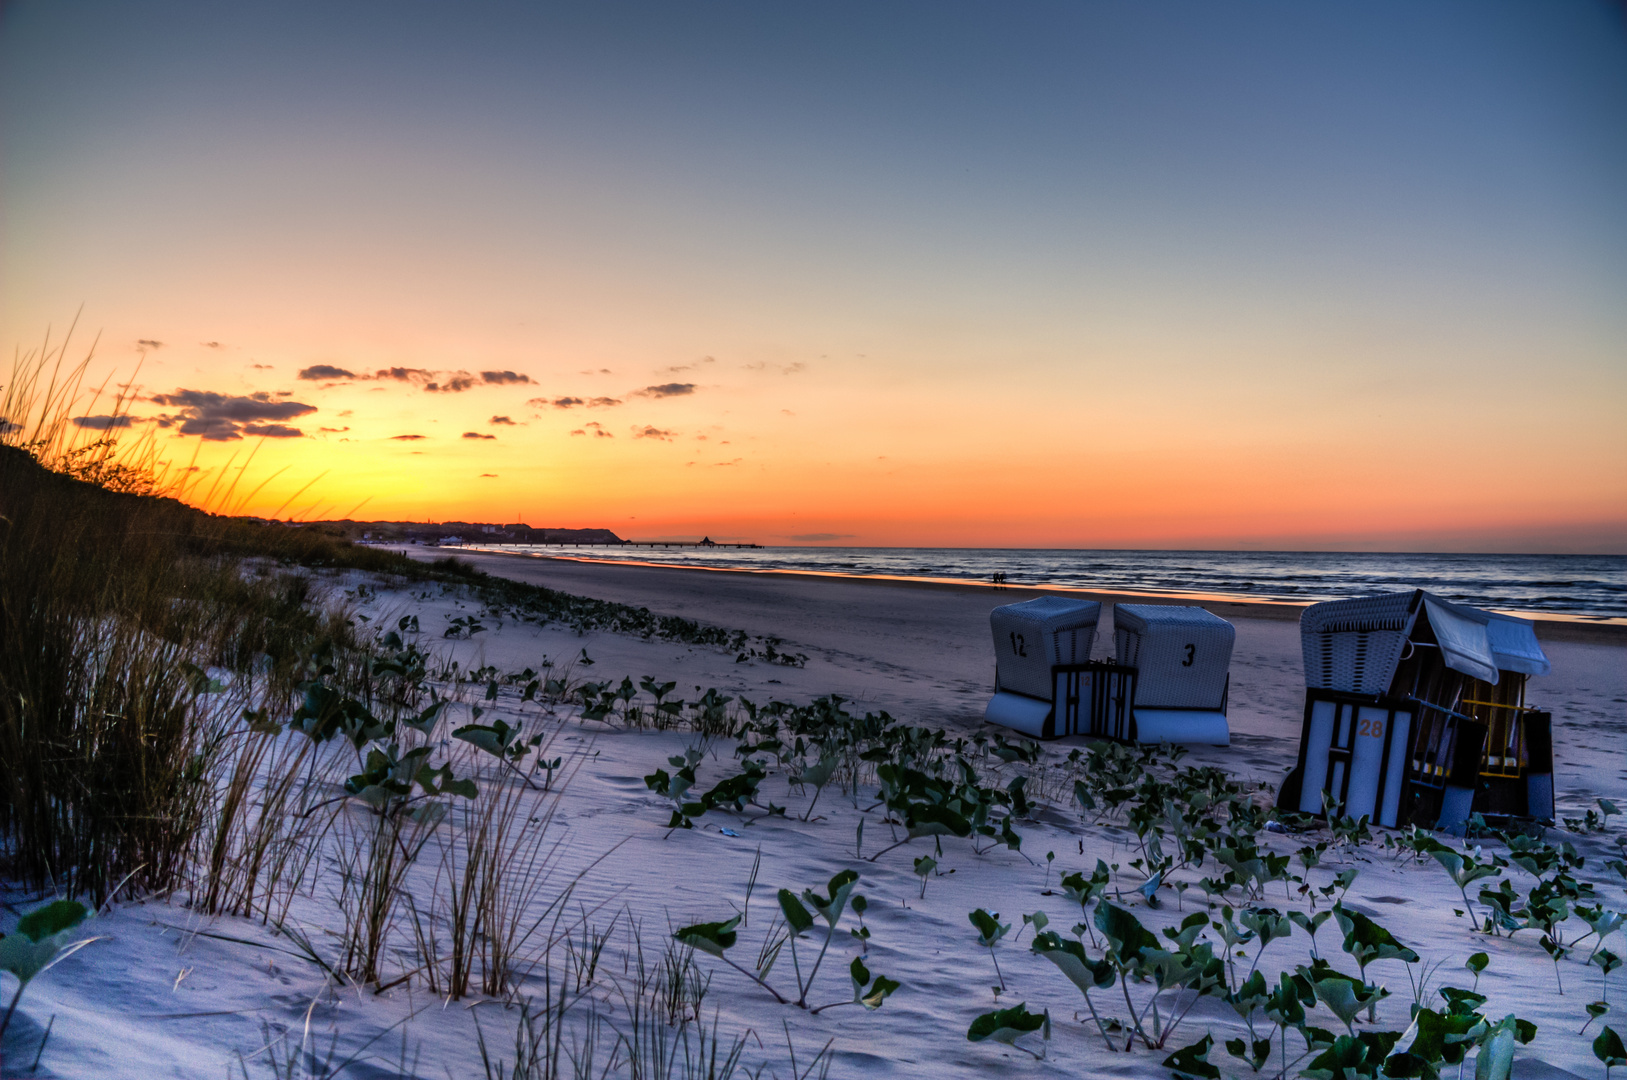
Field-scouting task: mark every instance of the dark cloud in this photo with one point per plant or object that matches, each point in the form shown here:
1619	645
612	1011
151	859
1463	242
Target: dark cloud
149	343
407	438
404	374
648	432
597	429
671	389
270	431
603	402
224	417
104	423
335	430
477	435
210	344
503	378
566	402
815	538
500	420
324	372
262	367
456	384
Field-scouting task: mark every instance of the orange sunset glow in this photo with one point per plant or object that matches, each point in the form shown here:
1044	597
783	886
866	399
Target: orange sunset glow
1100	277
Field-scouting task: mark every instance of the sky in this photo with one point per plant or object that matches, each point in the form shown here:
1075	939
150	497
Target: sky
1189	275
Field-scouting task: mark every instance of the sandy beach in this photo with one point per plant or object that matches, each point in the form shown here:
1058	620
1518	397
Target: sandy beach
924	653
204	996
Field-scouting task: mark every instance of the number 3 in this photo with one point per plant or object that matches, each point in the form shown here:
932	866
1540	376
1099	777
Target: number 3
1191	651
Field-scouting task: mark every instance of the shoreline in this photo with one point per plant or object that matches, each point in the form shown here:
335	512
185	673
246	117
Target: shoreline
1549	625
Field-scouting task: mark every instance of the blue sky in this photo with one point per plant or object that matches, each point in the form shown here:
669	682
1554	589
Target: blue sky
1245	225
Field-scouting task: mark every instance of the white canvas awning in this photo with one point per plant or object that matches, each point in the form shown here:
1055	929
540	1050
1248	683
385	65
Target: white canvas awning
1465	645
1514	643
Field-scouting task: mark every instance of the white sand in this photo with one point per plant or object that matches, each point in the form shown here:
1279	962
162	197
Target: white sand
158	999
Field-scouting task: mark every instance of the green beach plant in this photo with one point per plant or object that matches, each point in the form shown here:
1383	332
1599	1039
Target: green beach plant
38	942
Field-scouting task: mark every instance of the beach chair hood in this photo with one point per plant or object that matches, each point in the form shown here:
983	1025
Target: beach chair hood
1356	645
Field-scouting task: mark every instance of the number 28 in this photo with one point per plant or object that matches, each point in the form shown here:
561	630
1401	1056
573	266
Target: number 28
1375	728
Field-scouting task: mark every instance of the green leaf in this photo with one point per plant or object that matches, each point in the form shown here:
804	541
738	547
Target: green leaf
1128	938
711	938
831	906
1477	963
1193	1061
52	919
1005	1025
1353	1056
797	917
989	927
37	942
1608	1048
1071	959
880	990
1367	941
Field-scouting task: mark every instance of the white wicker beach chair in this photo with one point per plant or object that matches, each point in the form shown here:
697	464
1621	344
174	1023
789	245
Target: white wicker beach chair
1354	646
1184	654
1031	637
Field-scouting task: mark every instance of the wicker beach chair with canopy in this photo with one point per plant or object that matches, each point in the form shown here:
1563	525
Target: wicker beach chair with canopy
1415	714
1032	642
1167	681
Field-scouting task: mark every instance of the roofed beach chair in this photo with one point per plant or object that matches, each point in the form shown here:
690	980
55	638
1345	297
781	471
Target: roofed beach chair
1182	657
1037	644
1156	689
1415	714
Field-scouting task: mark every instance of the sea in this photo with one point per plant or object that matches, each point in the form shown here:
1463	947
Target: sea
1591	587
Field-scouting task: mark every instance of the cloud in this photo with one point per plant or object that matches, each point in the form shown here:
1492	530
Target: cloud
104	423
601	371
488	475
561	403
477	435
792	369
819	537
671	389
325	372
653	433
676	368
210	344
501	420
503	378
224	417
262	367
404	374
407	438
603	402
149	343
335	430
457	384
